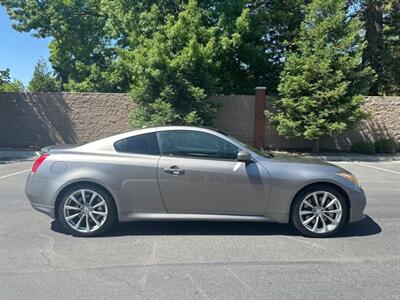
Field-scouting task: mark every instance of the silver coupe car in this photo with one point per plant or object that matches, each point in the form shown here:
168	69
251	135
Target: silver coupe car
189	173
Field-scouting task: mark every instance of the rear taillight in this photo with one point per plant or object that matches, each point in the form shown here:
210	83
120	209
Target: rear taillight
38	162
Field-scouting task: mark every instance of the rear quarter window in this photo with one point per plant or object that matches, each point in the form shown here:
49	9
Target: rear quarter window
139	144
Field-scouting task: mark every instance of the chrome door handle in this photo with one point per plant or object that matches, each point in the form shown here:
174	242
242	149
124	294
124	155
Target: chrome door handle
174	170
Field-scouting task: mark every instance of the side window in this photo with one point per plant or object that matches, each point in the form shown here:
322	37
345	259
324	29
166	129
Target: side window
139	144
196	144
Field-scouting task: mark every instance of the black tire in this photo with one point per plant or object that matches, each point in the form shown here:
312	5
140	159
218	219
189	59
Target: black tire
110	219
295	212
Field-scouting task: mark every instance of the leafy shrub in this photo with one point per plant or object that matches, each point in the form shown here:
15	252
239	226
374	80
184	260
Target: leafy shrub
363	147
385	146
158	113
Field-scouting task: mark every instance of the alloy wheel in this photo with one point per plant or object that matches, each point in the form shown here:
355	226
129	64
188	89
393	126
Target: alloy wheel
320	212
85	210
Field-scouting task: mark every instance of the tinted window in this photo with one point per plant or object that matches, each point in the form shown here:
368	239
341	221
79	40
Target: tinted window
196	144
139	144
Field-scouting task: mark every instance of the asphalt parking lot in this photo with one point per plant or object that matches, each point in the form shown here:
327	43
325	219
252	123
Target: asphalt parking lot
196	260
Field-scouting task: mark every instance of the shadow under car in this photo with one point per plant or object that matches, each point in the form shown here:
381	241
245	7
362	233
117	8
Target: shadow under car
365	227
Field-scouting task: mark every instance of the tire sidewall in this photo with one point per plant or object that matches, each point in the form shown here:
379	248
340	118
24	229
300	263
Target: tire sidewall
111	217
295	217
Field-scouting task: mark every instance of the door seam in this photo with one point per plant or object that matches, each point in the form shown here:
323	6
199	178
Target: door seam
158	184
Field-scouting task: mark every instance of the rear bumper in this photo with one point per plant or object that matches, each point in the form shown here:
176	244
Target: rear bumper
40	193
358	202
47	210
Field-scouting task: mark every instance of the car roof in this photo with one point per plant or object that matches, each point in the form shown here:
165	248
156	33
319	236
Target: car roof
106	144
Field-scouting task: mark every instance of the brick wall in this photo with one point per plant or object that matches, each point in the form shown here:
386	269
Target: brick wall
39	119
236	116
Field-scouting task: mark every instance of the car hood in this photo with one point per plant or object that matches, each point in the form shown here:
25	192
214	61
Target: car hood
292	158
289	159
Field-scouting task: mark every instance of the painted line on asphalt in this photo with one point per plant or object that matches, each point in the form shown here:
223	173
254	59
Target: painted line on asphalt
17	173
382	169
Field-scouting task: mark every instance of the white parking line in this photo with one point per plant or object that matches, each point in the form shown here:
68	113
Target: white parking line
398	173
9	175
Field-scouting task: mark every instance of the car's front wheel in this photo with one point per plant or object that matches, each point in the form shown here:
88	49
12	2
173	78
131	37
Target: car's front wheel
86	210
319	211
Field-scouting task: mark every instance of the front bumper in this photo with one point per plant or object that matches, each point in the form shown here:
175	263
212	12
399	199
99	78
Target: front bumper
358	202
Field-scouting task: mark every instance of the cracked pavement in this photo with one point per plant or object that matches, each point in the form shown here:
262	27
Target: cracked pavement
201	260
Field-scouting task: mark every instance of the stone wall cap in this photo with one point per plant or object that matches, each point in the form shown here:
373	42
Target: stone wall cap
64	93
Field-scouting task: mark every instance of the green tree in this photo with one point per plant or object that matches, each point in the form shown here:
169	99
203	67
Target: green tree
8	85
323	80
89	38
251	36
172	68
390	75
80	51
244	48
382	54
43	80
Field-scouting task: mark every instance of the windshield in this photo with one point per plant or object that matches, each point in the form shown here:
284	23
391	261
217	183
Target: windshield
259	151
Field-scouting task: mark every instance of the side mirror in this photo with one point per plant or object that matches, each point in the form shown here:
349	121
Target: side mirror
244	156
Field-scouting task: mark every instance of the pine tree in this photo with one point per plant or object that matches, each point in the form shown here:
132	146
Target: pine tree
172	68
391	49
323	80
43	80
9	85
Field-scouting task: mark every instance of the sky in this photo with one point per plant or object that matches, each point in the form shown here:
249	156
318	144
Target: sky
19	51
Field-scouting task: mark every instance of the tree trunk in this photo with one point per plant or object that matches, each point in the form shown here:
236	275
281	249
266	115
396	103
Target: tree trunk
373	17
315	148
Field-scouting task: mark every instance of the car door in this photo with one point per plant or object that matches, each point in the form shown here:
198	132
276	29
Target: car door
198	174
135	169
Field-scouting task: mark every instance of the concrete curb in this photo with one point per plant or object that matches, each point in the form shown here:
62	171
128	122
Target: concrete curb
356	157
346	156
19	154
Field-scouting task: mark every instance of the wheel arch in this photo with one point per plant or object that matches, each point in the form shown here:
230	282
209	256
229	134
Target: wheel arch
76	183
338	188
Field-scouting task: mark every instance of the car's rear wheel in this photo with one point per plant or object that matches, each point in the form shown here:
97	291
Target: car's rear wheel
319	211
86	210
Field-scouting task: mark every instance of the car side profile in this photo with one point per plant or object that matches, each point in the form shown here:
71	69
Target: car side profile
188	173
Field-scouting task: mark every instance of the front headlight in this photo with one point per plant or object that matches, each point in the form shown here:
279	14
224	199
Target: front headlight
349	177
